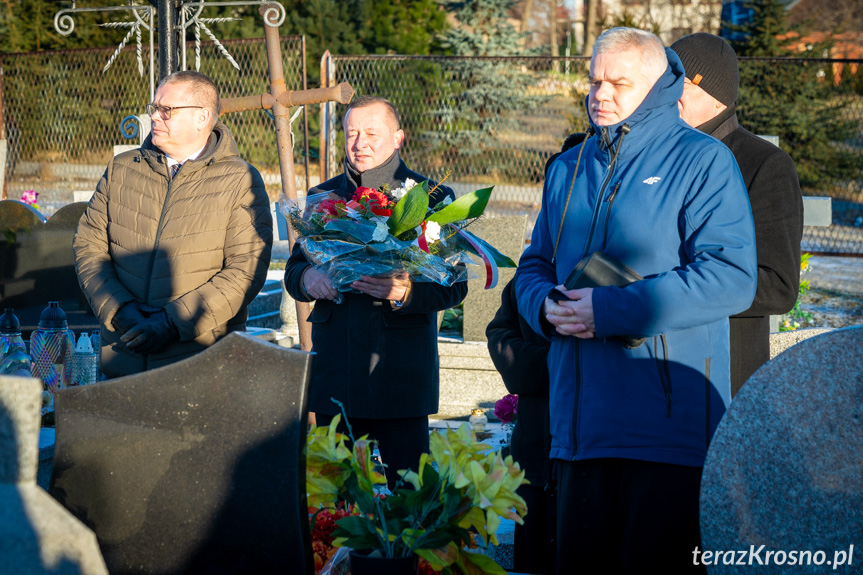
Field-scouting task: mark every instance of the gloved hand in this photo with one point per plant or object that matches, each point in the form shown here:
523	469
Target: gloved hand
152	335
128	316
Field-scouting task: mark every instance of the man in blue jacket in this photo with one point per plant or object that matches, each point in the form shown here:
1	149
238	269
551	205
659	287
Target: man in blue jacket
630	426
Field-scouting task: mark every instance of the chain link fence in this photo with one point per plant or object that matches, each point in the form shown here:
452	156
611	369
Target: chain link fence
485	120
62	115
474	121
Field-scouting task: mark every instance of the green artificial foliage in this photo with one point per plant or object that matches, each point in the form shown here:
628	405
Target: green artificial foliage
814	123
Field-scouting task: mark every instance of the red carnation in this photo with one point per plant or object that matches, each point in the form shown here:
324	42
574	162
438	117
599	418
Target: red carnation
376	201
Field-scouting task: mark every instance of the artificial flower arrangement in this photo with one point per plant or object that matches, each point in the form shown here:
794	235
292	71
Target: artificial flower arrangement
390	231
323	523
30	197
462	488
506	408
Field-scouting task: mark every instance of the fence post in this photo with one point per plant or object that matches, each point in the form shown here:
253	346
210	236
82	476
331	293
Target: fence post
327	111
167	40
4	145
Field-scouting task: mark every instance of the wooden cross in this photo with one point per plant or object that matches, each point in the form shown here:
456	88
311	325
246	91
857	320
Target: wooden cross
280	100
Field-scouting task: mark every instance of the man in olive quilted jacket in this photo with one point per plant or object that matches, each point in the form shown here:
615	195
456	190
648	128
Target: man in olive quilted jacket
176	240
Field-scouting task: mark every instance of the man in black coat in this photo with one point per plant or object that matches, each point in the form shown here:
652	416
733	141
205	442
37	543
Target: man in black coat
709	103
520	355
377	350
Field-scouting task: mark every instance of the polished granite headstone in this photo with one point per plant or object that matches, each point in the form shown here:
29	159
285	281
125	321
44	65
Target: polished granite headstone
785	468
37	536
506	233
196	467
37	264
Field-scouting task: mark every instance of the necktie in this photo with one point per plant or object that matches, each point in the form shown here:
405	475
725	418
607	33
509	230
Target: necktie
174	169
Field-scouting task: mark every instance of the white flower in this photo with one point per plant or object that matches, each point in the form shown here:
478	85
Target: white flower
381	231
432	232
399	193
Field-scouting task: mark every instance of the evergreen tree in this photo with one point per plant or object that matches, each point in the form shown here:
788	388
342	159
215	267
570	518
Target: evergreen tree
484	29
486	99
402	26
28	26
794	100
766	32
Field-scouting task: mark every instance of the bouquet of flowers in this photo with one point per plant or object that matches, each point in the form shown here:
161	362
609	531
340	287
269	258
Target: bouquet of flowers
462	487
387	232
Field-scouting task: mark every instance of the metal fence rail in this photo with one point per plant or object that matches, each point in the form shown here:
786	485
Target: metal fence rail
63	114
489	120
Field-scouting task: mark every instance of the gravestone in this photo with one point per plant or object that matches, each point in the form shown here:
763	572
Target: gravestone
785	468
507	234
195	467
37	536
37	264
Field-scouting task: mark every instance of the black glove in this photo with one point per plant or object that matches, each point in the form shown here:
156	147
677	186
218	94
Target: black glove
128	316
152	335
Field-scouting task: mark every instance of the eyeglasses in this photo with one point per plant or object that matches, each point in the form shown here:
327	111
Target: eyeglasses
166	111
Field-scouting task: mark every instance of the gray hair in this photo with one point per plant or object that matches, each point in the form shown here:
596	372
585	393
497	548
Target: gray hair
200	89
653	59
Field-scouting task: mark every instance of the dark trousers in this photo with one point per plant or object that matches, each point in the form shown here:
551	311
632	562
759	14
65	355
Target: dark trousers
401	441
626	516
534	545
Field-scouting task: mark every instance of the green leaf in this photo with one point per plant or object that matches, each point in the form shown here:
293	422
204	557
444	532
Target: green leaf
468	206
354	525
410	211
479	564
440	557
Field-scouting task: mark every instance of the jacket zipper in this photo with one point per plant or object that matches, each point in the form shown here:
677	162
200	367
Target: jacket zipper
599	198
156	246
596	211
662	365
610	202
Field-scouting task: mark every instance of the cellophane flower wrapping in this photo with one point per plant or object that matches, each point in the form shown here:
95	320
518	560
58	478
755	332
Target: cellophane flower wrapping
347	239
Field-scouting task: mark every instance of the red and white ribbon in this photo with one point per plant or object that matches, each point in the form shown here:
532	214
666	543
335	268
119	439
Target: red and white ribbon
490	264
421	238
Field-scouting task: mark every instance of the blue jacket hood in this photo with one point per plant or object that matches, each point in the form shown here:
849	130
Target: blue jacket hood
659	102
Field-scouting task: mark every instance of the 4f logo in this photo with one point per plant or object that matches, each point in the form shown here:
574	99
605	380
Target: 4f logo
652	180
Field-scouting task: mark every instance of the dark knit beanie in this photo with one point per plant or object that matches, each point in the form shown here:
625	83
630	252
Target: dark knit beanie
711	64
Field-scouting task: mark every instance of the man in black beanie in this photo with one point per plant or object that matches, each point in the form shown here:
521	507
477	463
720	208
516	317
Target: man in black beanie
709	103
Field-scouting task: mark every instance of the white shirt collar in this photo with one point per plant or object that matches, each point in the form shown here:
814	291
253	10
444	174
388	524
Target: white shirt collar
172	161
